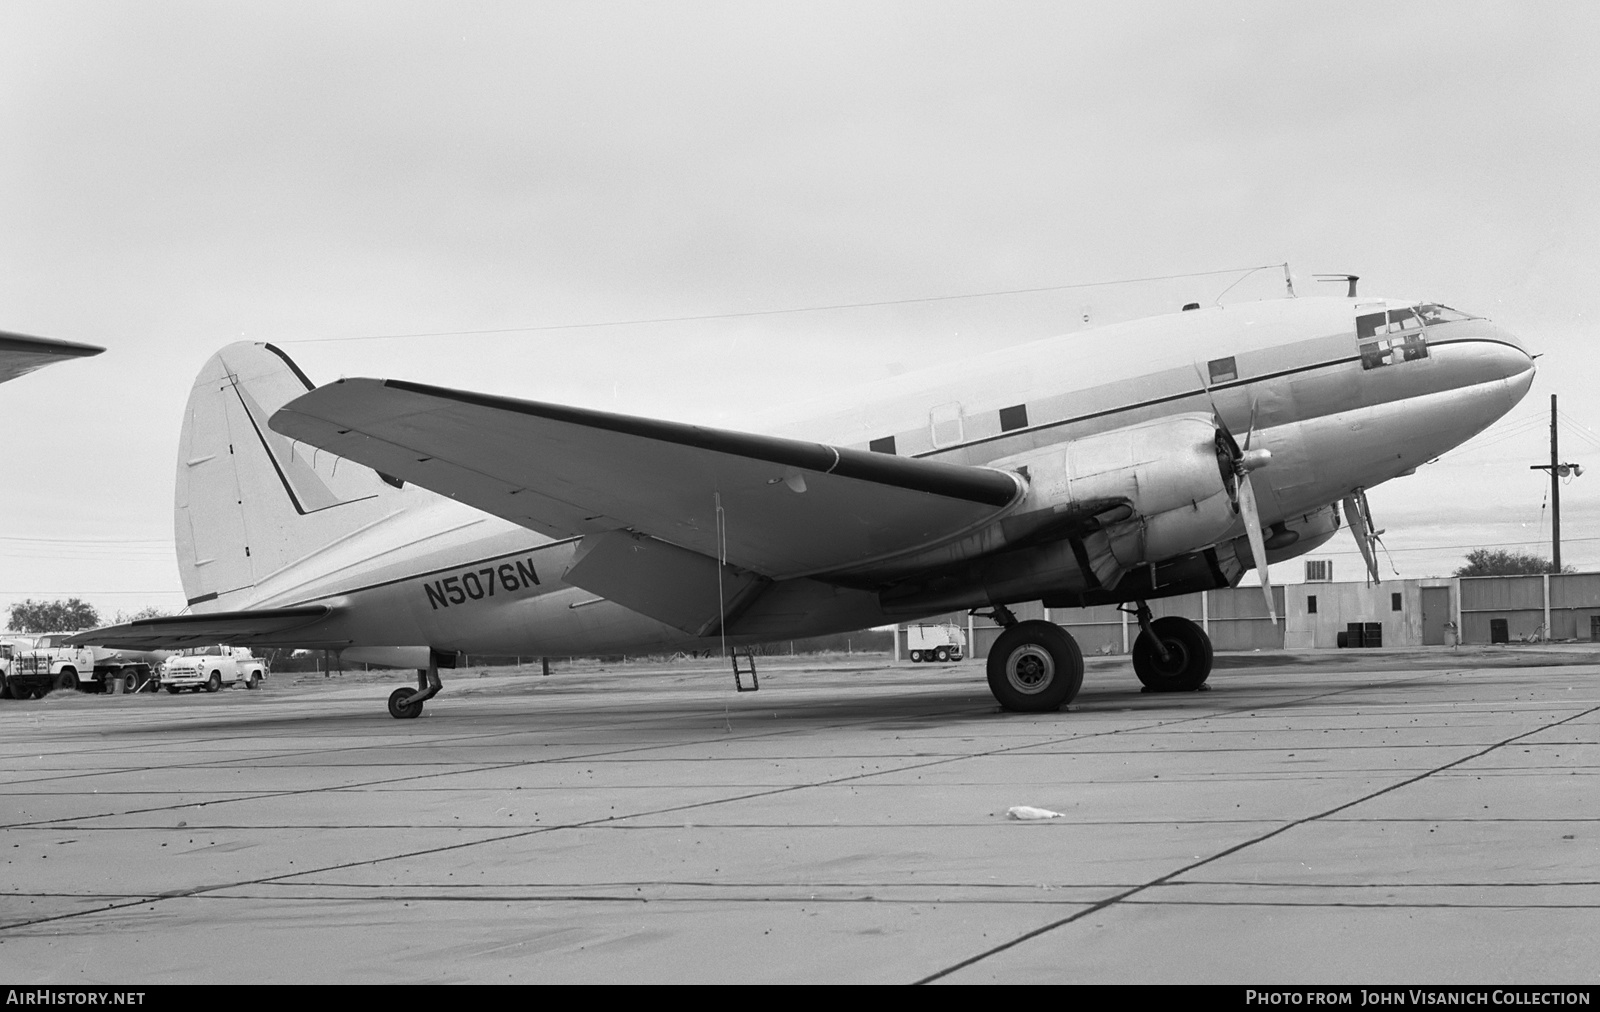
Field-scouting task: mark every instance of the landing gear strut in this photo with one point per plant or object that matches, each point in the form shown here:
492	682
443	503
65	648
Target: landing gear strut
1172	654
407	703
1034	667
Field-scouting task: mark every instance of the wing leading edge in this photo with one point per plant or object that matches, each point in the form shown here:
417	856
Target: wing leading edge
783	508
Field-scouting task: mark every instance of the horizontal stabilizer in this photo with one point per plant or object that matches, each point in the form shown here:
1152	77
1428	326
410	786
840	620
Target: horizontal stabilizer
21	354
786	507
267	627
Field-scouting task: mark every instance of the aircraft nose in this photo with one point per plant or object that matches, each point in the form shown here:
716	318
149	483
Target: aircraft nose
1511	361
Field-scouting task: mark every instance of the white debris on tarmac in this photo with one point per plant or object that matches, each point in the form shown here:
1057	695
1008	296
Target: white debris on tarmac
1028	814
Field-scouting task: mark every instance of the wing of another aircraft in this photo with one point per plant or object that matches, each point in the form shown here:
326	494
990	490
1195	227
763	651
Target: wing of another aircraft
20	354
789	508
266	627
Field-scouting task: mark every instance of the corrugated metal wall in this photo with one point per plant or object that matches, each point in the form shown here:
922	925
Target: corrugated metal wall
1237	618
1517	600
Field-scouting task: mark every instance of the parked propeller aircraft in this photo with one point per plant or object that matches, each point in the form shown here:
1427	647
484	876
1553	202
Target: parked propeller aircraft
21	354
402	522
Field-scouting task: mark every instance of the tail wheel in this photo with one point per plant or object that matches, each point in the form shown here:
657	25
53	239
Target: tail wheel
400	708
1035	667
214	682
1188	662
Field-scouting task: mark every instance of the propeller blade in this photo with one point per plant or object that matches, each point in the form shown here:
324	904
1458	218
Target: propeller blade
1361	527
1251	515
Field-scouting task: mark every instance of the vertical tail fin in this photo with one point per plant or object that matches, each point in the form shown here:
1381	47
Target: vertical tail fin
248	500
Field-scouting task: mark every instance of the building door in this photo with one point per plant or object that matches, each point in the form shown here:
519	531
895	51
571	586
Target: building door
1436	612
1498	631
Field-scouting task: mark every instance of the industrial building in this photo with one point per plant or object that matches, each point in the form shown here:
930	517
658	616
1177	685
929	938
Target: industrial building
1317	614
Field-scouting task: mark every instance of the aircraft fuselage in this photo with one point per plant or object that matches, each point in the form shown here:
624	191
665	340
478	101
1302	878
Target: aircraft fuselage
1345	393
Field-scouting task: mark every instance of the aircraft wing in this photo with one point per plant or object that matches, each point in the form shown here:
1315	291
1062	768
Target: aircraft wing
267	627
20	354
789	508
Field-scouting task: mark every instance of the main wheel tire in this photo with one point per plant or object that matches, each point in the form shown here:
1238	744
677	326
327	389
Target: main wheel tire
1189	656
942	655
399	709
1035	667
68	679
214	682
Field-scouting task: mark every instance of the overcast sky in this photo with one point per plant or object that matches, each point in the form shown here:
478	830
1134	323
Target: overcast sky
176	176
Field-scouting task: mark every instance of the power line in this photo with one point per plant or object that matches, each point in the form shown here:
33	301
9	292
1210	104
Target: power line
1457	548
84	593
89	541
771	312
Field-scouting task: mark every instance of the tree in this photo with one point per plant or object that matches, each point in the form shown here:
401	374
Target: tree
1499	562
53	616
122	617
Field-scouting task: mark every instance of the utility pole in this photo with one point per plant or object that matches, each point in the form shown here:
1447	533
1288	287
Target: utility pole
1555	494
1557	471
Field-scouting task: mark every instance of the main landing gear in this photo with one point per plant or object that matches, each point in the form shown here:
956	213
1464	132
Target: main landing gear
407	703
1034	666
1172	654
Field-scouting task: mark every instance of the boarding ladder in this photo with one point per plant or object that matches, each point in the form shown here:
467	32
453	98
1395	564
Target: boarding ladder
745	664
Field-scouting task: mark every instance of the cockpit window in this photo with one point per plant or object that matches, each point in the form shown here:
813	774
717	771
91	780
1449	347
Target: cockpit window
1394	350
1406	319
1401	320
1432	313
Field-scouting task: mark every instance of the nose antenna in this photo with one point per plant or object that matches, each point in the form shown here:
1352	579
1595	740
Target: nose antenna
1352	278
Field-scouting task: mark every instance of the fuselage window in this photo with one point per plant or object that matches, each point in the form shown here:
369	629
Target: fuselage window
1223	369
944	424
884	445
1015	417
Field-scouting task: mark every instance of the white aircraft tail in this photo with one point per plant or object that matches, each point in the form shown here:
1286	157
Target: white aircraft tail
248	501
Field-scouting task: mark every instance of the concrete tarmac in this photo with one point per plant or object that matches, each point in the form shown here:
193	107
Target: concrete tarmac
1354	817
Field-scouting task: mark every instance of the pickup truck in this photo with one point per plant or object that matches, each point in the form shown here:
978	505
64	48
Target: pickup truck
210	668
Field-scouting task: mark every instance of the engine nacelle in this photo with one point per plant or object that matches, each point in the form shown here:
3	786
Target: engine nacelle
1096	508
1294	536
1167	472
